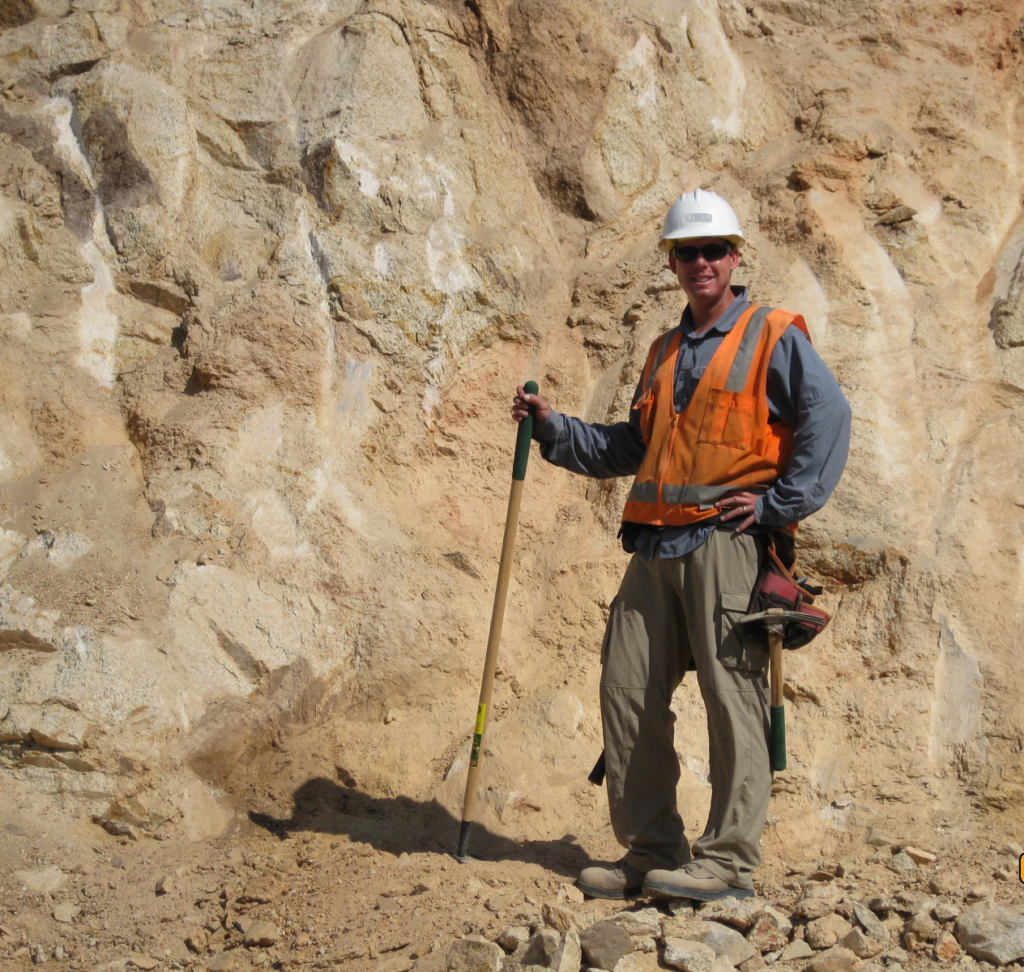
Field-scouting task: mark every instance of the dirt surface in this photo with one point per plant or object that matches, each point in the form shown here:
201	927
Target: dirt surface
348	881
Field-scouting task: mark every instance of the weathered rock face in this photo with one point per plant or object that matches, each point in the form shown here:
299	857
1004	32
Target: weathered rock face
270	273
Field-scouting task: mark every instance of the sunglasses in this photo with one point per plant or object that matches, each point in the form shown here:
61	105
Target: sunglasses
710	251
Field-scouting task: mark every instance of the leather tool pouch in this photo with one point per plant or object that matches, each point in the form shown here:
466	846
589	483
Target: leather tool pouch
776	587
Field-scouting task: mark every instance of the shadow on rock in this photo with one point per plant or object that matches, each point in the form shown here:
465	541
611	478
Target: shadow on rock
401	824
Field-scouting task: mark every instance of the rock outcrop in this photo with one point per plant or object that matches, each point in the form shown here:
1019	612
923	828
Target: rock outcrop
270	274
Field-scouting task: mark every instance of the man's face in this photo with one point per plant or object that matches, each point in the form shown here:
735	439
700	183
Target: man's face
704	281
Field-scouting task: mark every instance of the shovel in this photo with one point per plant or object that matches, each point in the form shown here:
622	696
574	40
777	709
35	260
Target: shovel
522	454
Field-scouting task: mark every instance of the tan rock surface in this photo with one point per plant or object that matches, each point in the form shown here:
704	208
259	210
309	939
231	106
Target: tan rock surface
269	273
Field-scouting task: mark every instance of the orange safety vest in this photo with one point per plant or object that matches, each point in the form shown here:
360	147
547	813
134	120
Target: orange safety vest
723	440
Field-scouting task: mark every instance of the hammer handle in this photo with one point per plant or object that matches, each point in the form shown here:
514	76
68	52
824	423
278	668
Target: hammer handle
777	713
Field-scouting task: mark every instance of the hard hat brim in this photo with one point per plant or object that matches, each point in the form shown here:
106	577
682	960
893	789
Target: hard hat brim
670	241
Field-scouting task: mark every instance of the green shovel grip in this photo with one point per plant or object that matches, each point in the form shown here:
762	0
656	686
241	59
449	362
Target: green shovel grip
524	437
777	739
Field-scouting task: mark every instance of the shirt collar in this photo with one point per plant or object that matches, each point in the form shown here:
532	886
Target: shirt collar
725	323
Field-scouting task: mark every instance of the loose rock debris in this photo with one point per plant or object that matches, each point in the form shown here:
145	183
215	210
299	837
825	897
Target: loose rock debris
312	901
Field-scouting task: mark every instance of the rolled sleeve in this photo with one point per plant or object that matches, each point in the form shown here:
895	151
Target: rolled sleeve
598	451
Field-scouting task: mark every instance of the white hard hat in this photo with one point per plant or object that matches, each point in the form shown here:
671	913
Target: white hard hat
700	213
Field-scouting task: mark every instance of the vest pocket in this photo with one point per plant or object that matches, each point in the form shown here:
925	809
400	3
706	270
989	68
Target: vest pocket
735	648
728	419
646	409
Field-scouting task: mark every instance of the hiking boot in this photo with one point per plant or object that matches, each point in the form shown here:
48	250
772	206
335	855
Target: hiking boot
611	881
692	880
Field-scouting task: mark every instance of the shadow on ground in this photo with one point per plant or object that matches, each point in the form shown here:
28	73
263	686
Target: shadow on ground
401	824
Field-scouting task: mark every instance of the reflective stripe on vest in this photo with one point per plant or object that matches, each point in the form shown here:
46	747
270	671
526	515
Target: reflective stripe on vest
723	440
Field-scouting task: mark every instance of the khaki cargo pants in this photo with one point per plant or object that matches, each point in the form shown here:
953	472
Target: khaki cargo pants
667	612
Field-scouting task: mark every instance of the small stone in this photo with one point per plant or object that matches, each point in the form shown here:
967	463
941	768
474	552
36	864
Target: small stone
261	934
142	961
570	894
901	863
198	941
474	955
825	932
604	943
945	883
66	913
836	959
541	947
796	950
900	214
560	918
726	942
909	903
862	945
767	936
224	962
646	921
980	891
39	954
634	962
1012	850
754	964
896	955
1005	874
118	828
435	961
919	856
739	912
568	955
881	906
165	885
514	936
818	903
821	875
945	911
878	838
688	956
263	890
922	928
870	923
946	948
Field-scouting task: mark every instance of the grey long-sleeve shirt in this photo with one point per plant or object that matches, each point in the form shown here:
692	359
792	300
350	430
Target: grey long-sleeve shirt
801	392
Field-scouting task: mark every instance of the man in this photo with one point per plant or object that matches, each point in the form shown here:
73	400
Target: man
737	429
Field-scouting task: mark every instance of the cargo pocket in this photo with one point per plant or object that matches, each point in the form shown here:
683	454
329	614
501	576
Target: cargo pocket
608	631
735	648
